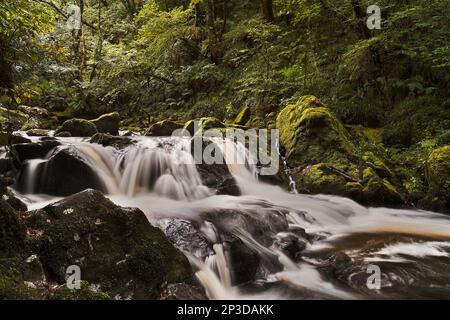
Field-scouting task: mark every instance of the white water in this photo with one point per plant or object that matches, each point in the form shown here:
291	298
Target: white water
159	177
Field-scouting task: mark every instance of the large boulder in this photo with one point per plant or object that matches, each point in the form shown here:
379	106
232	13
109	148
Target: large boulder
163	128
64	173
310	133
116	248
325	157
108	123
78	128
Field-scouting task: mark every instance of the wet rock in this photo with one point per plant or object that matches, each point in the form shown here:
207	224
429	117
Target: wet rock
216	176
116	248
14	202
35	150
108	123
186	237
17	138
108	140
245	262
290	245
78	128
64	173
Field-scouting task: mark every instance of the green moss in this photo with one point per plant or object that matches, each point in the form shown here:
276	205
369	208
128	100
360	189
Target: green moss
163	128
15	117
309	134
78	128
86	292
437	172
243	116
108	123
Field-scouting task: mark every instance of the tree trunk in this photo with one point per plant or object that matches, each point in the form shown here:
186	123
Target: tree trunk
267	10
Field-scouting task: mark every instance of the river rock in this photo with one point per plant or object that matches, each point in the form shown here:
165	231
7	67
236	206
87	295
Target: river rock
34	150
78	128
116	248
108	123
64	173
163	128
108	140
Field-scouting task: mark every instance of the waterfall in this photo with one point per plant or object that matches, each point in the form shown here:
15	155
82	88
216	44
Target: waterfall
160	177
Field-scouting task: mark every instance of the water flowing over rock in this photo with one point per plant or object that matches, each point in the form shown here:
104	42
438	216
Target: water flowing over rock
264	242
115	248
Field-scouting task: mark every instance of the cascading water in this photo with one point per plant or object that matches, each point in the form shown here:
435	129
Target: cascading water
298	246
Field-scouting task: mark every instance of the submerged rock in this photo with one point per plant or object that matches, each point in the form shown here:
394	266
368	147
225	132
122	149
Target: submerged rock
78	128
116	248
108	123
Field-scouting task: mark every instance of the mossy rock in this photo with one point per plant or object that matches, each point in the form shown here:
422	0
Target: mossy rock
20	272
108	123
326	179
16	118
108	140
116	248
243	116
85	292
78	128
37	132
203	124
163	128
310	133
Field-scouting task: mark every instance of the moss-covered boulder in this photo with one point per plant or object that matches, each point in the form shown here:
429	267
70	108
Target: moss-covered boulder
203	124
78	128
310	133
163	128
116	248
243	116
108	123
326	158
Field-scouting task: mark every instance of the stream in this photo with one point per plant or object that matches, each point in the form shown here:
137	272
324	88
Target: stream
267	243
